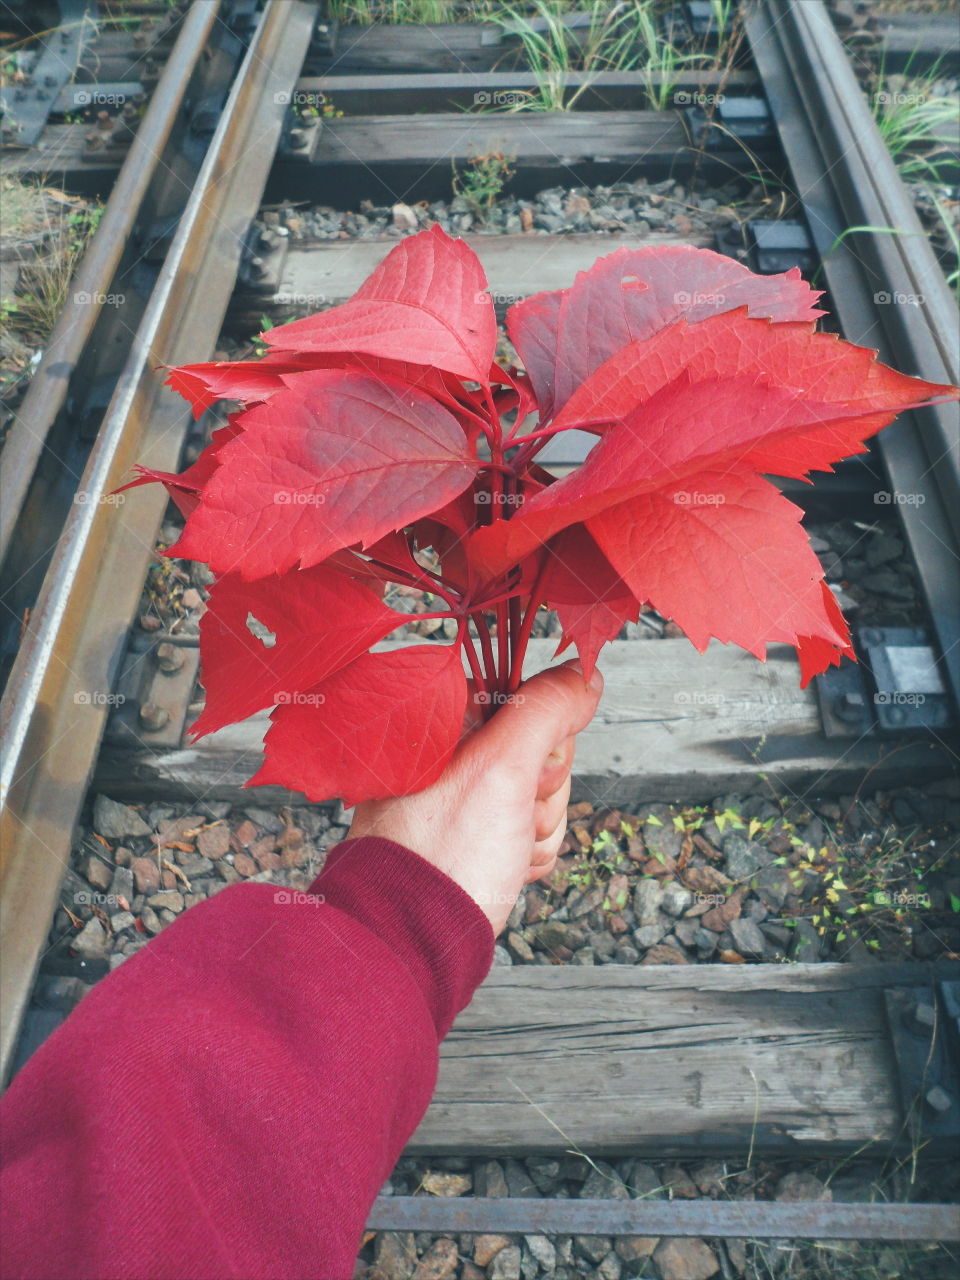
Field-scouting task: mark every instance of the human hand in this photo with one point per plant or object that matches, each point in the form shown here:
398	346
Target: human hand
496	817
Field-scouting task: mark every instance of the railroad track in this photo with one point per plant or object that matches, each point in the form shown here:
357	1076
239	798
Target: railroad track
73	569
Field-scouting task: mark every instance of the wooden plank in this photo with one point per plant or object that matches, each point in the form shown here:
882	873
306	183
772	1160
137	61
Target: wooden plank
326	273
672	1060
543	139
382	47
388	158
393	94
672	725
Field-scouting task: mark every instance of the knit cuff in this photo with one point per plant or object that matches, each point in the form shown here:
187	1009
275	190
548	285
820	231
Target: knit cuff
435	927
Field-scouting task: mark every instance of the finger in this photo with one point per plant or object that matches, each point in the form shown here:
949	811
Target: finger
545	852
556	768
553	706
548	812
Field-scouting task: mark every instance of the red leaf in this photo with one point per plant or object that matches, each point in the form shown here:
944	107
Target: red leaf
426	301
591	599
408	705
340	459
792	356
564	336
321	620
184	487
685	426
248	381
814	654
724	555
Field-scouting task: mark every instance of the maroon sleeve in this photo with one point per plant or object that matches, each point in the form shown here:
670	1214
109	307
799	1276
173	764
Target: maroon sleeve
227	1104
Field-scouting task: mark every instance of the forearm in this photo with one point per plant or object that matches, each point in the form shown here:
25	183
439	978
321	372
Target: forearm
228	1103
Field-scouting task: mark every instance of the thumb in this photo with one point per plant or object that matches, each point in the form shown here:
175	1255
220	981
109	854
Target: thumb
546	710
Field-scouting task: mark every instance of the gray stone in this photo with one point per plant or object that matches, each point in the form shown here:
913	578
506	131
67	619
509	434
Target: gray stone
543	1252
545	1173
519	1181
882	548
610	1267
585	956
686	931
92	940
705	941
773	885
744	857
801	1186
747	938
592	1247
122	920
490	1181
501	957
506	1265
121	886
97	872
151	921
115	821
519	947
226	872
551	934
167	900
648	935
676	899
623	953
647	898
604	1183
807	944
194	864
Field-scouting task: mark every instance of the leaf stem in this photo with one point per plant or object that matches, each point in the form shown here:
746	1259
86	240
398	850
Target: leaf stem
527	627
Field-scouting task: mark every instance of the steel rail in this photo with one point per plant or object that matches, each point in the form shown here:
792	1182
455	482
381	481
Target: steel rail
50	724
50	386
816	1220
886	286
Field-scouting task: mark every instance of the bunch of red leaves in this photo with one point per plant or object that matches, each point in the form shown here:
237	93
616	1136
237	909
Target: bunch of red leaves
381	428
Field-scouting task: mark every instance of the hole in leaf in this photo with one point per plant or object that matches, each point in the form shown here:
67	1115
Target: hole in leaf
260	631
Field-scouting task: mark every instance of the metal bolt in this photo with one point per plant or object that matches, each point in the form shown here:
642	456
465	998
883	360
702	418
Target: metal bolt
42	95
19	95
153	716
297	139
169	657
920	1018
938	1099
49	81
850	705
